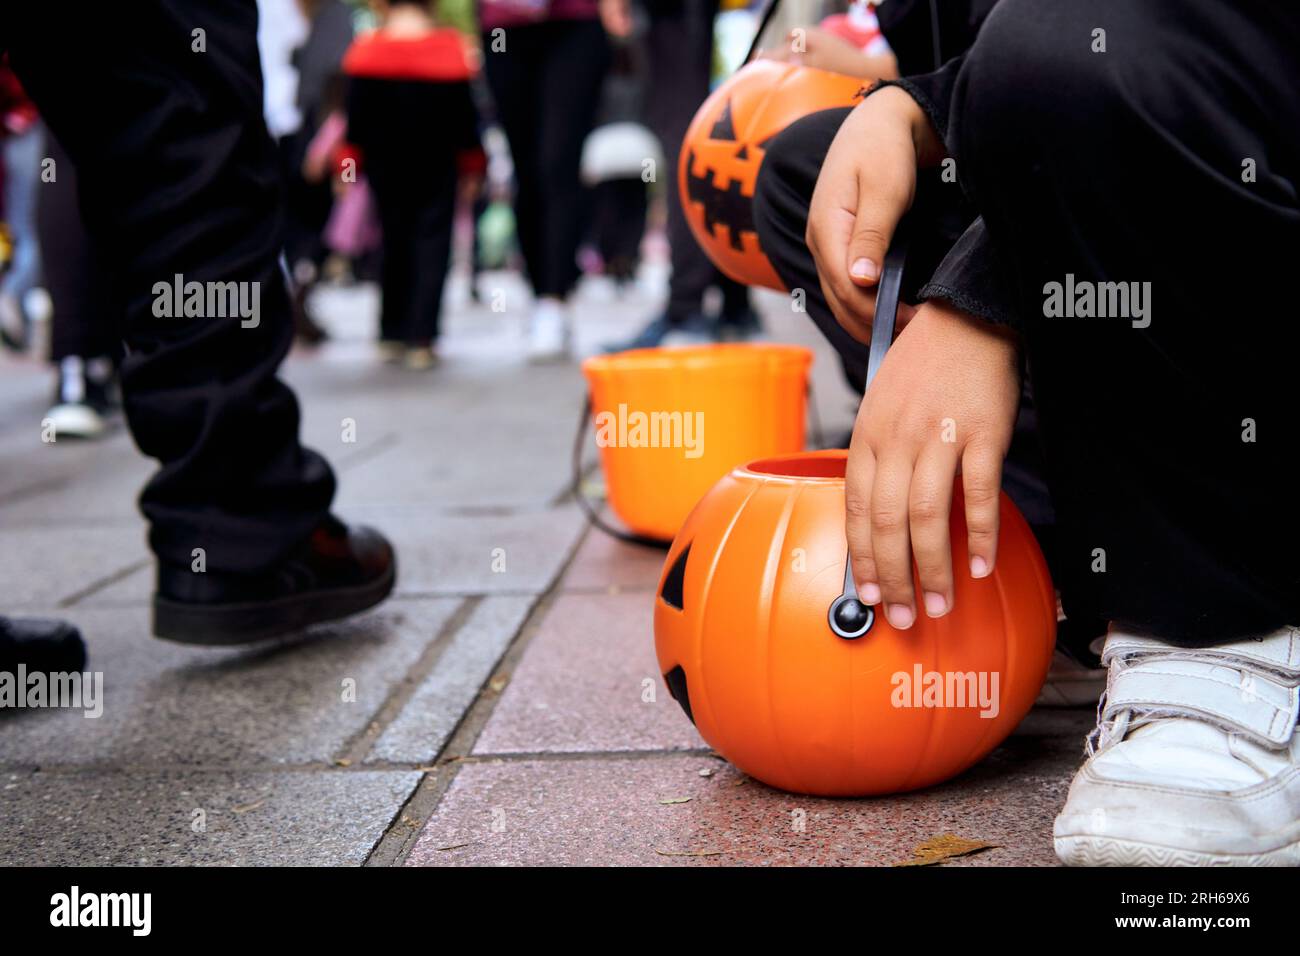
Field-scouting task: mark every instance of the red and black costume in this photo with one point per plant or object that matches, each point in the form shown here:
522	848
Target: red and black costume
414	125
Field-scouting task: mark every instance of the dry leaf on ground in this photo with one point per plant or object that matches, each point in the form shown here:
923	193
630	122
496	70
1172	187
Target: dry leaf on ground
943	847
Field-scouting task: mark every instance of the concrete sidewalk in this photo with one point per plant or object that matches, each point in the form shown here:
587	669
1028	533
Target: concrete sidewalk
492	712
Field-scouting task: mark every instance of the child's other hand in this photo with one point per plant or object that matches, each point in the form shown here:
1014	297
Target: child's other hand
865	186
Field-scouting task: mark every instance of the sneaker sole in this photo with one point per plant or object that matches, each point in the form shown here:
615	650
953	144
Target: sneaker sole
76	421
228	625
1107	851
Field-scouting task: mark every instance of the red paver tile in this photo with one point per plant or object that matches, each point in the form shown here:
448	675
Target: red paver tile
583	681
620	811
605	562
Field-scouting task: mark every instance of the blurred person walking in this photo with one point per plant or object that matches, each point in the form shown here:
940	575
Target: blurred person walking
179	185
616	159
412	119
679	41
318	62
545	60
22	139
85	333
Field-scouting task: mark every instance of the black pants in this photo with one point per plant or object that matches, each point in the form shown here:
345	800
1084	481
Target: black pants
179	176
618	223
307	205
416	216
680	49
546	85
1171	450
86	321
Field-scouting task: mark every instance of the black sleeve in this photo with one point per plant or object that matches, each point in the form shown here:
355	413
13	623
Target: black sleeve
973	278
932	92
908	27
969	274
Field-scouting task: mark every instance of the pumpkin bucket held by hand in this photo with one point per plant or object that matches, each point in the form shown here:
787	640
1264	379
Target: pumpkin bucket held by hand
762	639
670	422
747	645
724	147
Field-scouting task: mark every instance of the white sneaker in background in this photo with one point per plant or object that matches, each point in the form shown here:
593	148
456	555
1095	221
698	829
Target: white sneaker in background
76	413
1195	760
548	331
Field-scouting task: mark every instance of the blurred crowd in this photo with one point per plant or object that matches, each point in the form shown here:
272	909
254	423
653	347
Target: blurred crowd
492	134
398	141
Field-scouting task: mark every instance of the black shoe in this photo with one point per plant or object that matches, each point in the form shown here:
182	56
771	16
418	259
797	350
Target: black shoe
40	644
338	571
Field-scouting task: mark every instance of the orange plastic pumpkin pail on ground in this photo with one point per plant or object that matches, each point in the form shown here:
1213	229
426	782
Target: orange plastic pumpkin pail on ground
745	645
724	147
670	422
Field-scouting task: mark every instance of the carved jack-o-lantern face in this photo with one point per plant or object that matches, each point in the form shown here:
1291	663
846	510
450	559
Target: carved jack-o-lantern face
724	147
745	644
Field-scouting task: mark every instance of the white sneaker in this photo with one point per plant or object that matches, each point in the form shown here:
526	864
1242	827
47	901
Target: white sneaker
1195	760
75	420
74	414
548	332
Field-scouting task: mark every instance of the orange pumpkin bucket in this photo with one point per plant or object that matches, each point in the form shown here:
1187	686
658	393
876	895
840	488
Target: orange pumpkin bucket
724	148
762	639
671	422
746	638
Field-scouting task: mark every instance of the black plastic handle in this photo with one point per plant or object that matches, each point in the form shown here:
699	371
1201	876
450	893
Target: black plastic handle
848	617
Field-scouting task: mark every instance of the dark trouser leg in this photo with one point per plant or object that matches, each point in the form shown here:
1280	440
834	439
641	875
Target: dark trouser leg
572	69
680	50
619	222
178	176
1127	166
512	78
397	220
85	322
735	297
307	205
431	257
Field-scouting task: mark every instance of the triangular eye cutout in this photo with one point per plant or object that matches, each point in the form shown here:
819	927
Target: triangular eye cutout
674	581
676	681
722	127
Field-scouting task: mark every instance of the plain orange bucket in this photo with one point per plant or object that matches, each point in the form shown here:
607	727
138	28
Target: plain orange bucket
670	422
